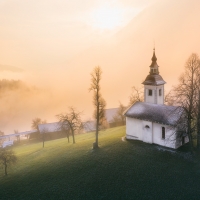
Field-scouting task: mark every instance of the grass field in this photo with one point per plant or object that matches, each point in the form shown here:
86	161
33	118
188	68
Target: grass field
118	170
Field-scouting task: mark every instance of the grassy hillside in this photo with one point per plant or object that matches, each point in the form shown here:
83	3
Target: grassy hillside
118	170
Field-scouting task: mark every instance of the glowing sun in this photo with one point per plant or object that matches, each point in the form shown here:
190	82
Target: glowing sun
106	18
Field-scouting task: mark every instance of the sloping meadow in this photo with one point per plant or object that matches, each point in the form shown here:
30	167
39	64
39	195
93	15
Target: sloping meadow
119	169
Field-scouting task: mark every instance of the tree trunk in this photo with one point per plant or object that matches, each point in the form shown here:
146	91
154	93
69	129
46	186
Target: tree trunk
190	136
5	168
97	128
68	138
73	137
191	101
43	139
198	124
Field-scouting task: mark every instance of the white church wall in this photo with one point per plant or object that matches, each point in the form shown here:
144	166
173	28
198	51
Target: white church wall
155	98
134	128
169	140
150	132
160	98
149	99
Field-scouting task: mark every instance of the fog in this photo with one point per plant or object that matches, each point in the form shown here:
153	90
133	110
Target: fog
53	46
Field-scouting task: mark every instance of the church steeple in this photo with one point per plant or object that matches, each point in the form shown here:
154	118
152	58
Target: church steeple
154	84
154	66
154	59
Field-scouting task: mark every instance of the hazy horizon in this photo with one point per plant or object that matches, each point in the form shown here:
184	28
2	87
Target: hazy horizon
54	46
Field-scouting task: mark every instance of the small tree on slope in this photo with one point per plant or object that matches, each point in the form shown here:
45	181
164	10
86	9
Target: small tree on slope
70	121
7	157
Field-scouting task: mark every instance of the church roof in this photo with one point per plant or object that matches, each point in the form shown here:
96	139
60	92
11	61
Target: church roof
154	79
163	114
49	127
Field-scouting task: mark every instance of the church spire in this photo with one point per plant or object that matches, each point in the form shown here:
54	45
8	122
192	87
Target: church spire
154	59
154	78
154	84
154	66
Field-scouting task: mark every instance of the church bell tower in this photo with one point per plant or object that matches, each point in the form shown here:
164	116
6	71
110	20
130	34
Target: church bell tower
154	84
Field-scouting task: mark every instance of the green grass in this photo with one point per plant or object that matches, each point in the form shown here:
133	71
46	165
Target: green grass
118	170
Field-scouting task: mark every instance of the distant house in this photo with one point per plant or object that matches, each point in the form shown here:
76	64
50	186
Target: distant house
89	126
15	136
52	130
110	117
4	139
49	127
152	121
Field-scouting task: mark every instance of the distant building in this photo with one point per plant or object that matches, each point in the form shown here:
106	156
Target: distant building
151	121
49	127
52	130
16	136
7	140
89	126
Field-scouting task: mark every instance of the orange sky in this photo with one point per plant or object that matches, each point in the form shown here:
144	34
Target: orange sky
55	44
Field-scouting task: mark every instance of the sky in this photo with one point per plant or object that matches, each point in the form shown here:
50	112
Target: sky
39	34
53	45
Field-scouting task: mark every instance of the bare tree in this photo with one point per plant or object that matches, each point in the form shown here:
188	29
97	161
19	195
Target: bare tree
98	101
34	125
119	118
169	98
36	122
186	94
44	132
65	129
120	113
198	114
136	95
7	157
71	121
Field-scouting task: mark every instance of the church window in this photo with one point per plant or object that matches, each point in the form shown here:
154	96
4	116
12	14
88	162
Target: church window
147	126
160	92
150	92
163	132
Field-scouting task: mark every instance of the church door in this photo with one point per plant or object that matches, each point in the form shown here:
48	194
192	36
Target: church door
147	132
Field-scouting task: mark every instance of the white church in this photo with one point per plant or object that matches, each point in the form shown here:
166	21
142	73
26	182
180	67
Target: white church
151	121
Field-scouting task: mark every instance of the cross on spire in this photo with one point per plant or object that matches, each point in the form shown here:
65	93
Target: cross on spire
154	59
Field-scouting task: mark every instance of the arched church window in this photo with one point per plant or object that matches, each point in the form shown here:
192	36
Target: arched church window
160	92
150	92
163	132
147	126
